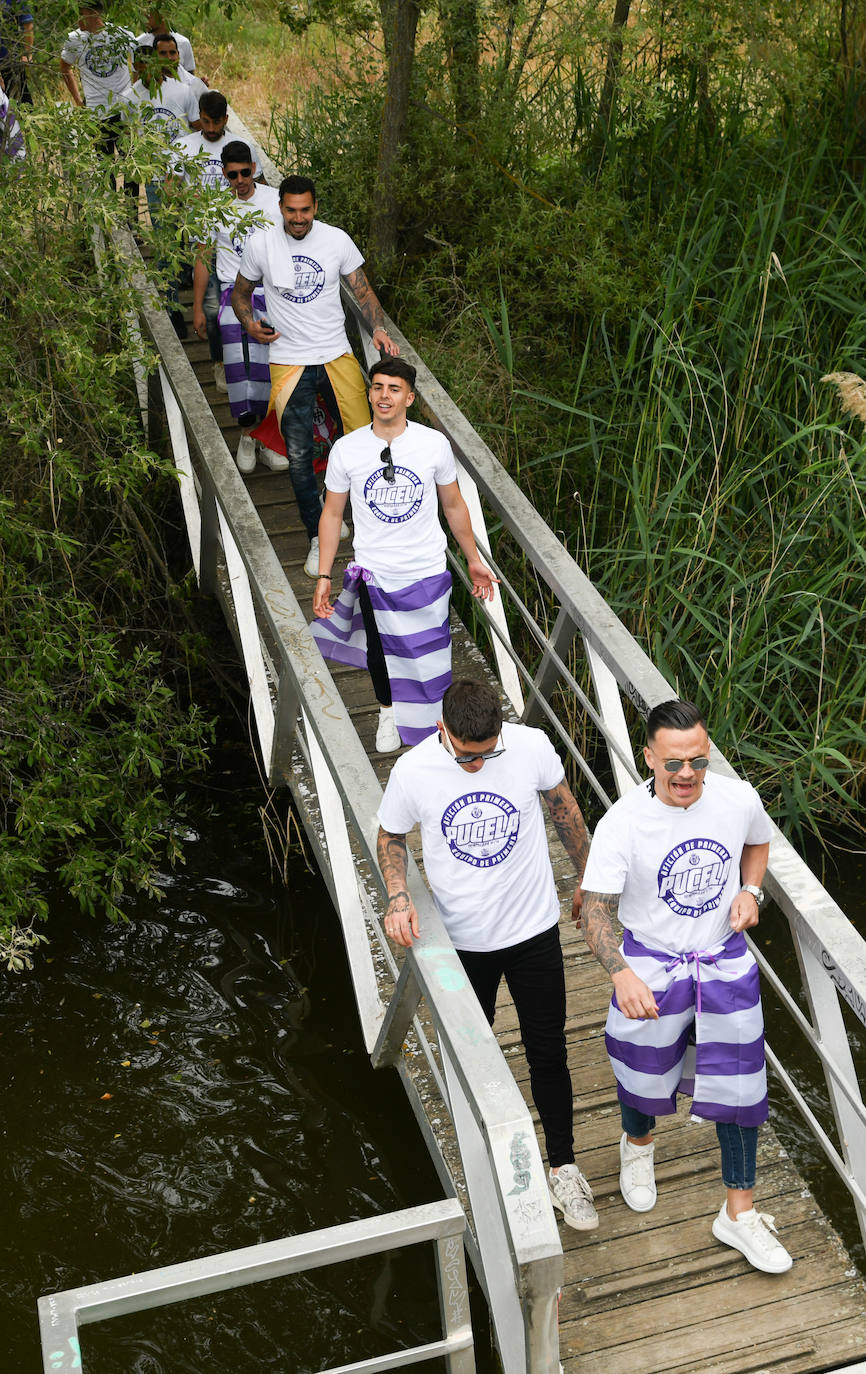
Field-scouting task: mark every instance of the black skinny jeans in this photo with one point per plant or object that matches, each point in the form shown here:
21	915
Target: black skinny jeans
536	980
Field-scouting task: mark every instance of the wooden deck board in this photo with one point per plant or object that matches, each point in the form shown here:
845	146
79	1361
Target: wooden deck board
650	1293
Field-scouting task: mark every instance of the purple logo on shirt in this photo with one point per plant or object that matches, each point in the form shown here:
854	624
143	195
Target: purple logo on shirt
692	876
309	281
481	828
397	501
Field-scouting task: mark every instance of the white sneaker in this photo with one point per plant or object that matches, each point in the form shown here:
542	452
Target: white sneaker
246	454
311	567
219	377
754	1235
637	1181
273	460
570	1192
388	739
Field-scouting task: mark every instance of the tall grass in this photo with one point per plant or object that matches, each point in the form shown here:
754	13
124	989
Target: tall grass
719	506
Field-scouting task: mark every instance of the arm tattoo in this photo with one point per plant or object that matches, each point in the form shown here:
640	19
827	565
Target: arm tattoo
598	913
392	856
242	301
367	299
568	821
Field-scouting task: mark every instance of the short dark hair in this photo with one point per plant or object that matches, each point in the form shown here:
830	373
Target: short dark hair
163	38
472	710
298	186
236	152
394	367
95	6
673	715
213	104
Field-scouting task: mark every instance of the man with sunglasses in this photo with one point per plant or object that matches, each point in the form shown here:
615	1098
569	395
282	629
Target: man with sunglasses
392	613
247	372
474	789
679	863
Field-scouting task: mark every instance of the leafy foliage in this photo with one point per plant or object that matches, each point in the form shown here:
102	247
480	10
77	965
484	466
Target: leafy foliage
96	645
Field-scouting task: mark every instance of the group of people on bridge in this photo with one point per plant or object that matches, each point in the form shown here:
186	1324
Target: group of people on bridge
678	861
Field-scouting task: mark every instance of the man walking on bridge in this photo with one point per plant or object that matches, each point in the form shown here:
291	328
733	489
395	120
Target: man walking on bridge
300	266
679	862
392	614
488	865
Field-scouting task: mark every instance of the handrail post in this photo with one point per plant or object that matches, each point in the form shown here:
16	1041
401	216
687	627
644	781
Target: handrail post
209	551
285	726
454	1301
398	1018
561	639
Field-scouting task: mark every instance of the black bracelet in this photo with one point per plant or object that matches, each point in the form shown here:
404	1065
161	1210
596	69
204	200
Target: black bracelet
324	577
398	894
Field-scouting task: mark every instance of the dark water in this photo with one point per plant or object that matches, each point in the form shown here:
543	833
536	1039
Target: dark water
193	1082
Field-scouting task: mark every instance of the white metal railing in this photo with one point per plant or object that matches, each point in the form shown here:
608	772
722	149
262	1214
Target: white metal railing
61	1315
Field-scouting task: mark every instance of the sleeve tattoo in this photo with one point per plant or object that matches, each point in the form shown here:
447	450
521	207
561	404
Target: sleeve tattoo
568	822
367	299
600	931
242	300
393	861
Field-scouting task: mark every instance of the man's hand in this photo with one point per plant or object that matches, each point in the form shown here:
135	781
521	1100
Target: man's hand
322	605
745	911
199	323
483	581
634	999
401	919
257	331
384	342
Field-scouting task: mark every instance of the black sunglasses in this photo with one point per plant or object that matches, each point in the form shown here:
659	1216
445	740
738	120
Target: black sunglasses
388	471
241	172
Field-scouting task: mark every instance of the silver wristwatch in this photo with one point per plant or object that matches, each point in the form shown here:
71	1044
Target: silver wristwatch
757	893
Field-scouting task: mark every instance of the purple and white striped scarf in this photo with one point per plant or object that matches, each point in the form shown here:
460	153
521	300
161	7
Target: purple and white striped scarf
708	1042
248	374
416	639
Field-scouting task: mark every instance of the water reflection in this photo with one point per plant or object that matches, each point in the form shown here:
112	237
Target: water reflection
191	1082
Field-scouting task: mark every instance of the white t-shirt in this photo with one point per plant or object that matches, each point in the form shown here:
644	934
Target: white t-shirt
231	239
103	62
195	83
174	105
302	289
482	834
677	868
184	47
397	532
210	167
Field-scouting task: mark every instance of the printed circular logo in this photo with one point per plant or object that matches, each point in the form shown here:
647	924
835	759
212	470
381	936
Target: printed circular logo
103	58
481	828
397	501
309	281
692	877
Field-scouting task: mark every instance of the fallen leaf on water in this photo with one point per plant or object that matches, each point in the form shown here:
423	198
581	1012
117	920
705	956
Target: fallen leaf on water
105	1097
125	1063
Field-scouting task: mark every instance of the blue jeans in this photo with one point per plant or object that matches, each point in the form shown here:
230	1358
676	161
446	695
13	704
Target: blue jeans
210	306
296	427
738	1144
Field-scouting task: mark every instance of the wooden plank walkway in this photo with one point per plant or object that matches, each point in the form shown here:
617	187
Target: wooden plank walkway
654	1292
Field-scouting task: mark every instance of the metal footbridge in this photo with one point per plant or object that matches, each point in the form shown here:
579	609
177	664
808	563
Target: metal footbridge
641	1294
